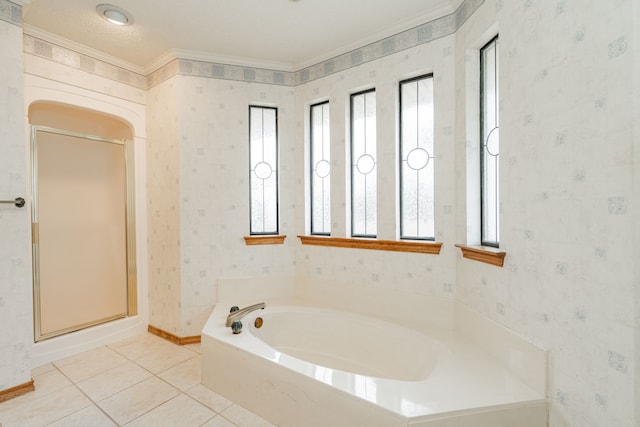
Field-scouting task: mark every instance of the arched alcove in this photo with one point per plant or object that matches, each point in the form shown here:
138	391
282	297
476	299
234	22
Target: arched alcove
83	218
79	120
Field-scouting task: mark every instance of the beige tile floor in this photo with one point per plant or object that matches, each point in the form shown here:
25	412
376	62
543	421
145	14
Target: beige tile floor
142	381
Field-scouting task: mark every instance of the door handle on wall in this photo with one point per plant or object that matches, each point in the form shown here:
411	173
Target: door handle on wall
18	202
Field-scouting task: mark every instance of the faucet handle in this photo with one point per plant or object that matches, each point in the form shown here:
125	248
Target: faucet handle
236	326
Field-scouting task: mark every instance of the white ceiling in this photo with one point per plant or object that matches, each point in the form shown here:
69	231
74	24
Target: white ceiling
281	34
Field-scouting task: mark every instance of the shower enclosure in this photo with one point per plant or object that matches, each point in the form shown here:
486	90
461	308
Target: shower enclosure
82	228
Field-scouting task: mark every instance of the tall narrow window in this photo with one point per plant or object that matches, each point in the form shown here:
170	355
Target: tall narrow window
363	164
320	158
263	169
417	219
490	143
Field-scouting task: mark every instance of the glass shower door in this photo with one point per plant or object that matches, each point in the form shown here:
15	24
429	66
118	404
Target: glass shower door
79	231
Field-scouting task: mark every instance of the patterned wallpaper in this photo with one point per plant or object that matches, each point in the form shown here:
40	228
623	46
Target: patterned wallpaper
69	58
163	207
11	13
566	197
568	207
16	324
198	195
422	34
417	276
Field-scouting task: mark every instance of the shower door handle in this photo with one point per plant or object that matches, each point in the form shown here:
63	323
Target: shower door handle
18	202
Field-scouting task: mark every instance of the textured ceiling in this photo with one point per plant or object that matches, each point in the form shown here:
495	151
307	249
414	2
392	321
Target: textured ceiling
281	34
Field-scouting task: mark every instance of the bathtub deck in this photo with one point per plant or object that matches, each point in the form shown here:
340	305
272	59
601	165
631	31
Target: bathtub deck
467	387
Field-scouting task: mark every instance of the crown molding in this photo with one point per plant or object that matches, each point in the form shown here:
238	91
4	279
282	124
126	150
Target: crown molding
388	32
80	48
159	62
191	55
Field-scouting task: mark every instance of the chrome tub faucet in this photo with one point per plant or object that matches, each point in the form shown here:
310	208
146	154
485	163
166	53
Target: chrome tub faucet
236	314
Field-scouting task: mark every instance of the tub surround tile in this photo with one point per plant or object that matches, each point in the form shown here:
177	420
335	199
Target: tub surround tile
137	400
523	358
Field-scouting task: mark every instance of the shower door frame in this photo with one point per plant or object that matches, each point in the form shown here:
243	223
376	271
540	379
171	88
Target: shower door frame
131	267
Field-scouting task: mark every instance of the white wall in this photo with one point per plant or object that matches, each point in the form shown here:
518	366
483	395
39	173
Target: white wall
567	201
416	276
163	207
636	196
53	74
569	184
199	194
16	324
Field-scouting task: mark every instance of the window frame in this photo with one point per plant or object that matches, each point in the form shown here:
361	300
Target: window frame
352	96
401	161
312	168
276	171
483	240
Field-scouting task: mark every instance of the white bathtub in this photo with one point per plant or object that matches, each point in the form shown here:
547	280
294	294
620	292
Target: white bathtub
309	366
342	341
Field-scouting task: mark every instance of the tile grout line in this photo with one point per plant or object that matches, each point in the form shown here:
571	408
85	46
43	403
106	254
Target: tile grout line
96	404
216	413
93	403
146	379
56	368
157	375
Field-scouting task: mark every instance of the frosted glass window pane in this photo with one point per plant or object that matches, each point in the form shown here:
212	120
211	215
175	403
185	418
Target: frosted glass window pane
417	208
320	170
364	186
490	140
263	174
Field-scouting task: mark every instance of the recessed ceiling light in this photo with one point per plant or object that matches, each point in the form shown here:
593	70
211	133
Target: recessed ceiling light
114	14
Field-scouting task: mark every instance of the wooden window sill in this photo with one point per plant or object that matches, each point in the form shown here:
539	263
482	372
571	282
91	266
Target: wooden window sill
264	240
380	245
487	254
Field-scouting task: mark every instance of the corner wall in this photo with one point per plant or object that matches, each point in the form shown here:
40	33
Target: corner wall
349	272
636	194
571	182
199	194
16	320
567	201
47	77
